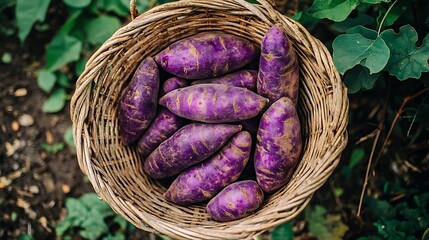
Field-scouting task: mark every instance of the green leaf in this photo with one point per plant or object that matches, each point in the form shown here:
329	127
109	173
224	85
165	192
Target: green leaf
339	192
353	49
366	32
406	60
77	3
63	80
27	13
357	156
52	148
63	226
46	80
359	78
79	67
283	232
99	29
68	137
6	58
55	102
117	6
374	1
360	20
335	10
62	50
396	11
117	236
70	23
25	237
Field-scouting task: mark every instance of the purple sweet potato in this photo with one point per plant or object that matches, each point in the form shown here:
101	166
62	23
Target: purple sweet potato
171	84
278	145
205	179
164	125
190	145
214	103
243	78
206	55
278	74
236	201
137	106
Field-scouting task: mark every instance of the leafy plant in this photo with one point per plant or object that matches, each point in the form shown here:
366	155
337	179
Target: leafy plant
403	220
323	225
366	48
93	219
283	232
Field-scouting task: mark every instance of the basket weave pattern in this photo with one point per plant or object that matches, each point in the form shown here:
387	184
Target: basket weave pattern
116	171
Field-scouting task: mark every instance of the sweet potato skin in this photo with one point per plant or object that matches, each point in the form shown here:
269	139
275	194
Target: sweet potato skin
242	78
137	106
191	144
278	145
165	123
214	103
206	55
163	126
278	74
236	201
171	84
205	179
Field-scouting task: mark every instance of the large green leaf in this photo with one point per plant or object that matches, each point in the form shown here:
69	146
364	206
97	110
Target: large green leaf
27	13
353	49
55	102
62	50
99	29
359	78
406	60
360	20
335	10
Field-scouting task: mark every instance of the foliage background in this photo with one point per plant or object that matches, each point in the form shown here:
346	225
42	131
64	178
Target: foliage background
381	47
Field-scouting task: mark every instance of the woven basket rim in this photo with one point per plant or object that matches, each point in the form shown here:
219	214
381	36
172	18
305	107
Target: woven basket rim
325	94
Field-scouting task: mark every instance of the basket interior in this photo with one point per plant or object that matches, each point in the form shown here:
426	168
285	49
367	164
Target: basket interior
116	171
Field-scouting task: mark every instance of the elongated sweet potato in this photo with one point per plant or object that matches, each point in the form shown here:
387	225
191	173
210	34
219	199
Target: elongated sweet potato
165	123
278	74
278	145
205	179
243	78
236	201
191	144
137	106
214	103
163	126
206	55
171	84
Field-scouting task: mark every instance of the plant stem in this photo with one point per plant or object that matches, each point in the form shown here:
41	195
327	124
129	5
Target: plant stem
374	145
398	114
384	17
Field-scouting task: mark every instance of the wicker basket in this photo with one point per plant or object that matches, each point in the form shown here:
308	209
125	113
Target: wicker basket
116	171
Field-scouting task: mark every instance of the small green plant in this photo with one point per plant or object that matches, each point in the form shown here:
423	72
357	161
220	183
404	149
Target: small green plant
407	218
283	232
92	219
323	225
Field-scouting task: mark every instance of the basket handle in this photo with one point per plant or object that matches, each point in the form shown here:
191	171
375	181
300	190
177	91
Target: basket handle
135	13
